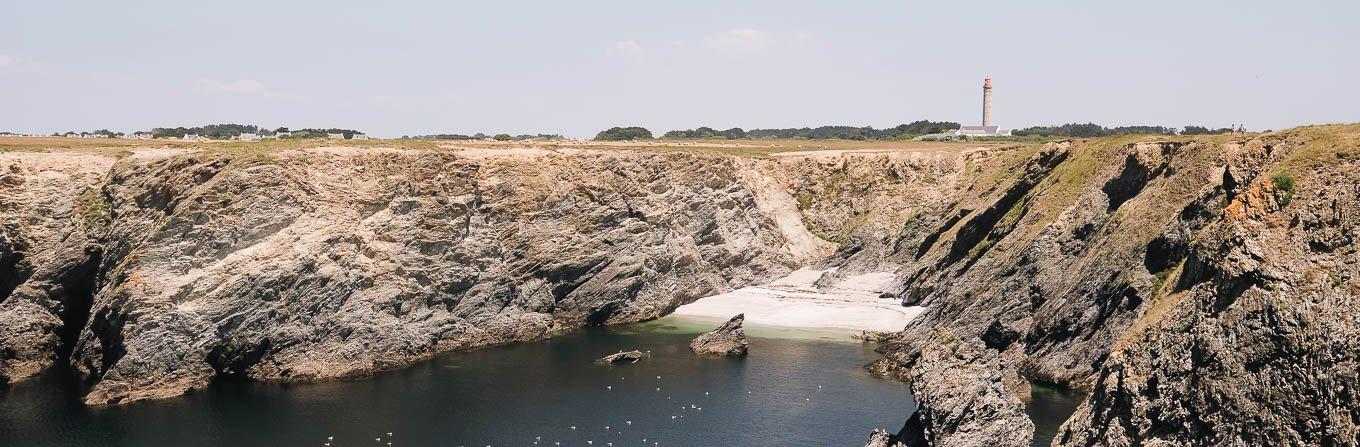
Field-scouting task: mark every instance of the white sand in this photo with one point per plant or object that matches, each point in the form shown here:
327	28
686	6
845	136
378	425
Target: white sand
793	301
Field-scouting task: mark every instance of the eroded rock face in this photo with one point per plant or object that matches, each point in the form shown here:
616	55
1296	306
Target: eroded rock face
1198	302
1259	339
726	340
49	252
964	395
337	262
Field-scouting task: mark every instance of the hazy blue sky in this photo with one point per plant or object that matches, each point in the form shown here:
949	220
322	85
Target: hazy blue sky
575	67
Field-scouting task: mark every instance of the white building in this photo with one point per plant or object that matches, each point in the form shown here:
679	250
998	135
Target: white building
983	131
192	137
250	137
335	136
359	136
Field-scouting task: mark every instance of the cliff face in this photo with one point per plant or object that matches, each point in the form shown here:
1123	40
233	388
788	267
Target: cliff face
1255	338
338	262
1203	289
155	270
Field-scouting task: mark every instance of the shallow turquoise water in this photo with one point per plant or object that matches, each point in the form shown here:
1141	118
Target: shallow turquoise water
805	391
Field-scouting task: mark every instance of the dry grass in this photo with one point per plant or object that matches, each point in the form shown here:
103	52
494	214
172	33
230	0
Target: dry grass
754	148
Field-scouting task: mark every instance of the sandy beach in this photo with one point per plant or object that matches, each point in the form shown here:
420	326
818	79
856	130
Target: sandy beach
852	303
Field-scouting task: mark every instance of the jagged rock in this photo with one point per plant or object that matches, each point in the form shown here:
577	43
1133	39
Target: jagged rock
1172	280
881	438
962	395
623	357
1257	342
872	336
726	340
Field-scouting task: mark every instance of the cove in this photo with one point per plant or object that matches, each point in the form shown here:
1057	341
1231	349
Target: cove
797	388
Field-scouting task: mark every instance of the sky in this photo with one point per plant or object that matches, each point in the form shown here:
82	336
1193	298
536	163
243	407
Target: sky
394	68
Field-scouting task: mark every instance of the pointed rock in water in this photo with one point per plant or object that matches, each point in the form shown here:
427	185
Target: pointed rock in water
622	357
881	438
726	340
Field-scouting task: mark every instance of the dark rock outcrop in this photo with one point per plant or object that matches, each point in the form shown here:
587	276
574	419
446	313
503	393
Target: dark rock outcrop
1258	340
964	395
727	340
881	438
1201	290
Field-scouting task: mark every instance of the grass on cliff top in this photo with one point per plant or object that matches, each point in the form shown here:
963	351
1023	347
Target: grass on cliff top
1315	146
754	148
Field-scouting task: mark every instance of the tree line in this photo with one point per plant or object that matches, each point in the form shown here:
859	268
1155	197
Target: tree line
1088	130
482	136
899	132
229	131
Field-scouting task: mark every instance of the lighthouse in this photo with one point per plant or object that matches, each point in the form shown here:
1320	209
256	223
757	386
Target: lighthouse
987	101
987	129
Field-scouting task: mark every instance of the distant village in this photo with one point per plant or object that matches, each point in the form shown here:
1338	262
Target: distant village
196	134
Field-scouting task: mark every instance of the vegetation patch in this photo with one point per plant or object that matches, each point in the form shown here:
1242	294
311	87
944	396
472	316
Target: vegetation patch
1284	186
96	211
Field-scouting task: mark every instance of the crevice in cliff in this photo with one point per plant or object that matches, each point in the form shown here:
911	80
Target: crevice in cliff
234	361
973	233
78	286
106	327
934	236
13	271
1130	182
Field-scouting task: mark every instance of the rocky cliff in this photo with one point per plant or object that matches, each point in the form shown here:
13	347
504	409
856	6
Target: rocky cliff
153	270
1203	289
160	271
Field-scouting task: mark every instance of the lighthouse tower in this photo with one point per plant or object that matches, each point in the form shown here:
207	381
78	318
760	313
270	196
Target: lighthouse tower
987	101
987	129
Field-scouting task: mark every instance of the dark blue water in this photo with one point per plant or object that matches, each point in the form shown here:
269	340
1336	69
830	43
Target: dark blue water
788	392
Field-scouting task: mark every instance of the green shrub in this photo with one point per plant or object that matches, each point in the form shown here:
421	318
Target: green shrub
1285	184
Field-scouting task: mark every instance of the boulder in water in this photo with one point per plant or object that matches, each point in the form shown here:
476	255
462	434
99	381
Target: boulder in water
726	340
623	357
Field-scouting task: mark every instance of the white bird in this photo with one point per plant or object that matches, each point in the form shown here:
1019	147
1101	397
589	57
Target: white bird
609	387
573	427
628	422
